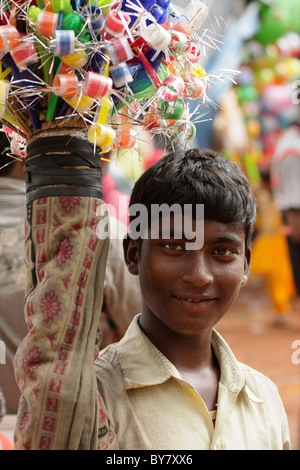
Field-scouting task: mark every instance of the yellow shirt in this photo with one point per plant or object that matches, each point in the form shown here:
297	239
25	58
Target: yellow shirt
151	407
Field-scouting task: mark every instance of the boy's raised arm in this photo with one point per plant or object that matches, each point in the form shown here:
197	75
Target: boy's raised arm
60	407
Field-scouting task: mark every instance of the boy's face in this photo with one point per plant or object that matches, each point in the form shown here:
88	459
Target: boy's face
188	291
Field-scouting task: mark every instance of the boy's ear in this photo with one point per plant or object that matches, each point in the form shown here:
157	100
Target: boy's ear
247	264
131	254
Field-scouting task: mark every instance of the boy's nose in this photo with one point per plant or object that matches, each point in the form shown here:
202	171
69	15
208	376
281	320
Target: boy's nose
198	271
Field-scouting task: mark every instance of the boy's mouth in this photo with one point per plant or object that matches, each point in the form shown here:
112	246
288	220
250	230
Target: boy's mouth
194	299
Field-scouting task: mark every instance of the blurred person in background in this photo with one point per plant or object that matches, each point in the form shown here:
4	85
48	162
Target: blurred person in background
286	188
270	255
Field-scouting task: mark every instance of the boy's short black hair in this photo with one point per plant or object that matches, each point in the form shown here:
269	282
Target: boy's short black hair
199	176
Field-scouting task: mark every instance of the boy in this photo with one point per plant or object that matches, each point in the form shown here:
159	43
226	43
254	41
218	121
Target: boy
171	382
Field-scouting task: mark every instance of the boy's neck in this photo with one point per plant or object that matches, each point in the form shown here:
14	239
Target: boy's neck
192	356
191	352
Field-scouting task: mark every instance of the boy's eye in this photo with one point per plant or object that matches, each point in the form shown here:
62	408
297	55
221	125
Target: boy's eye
223	251
173	246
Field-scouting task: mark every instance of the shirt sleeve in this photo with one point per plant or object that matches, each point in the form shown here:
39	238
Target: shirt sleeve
60	407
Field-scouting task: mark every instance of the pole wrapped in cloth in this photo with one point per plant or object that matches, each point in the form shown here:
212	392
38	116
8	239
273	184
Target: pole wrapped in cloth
60	407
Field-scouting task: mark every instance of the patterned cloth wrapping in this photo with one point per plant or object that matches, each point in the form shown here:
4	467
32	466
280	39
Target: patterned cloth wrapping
60	407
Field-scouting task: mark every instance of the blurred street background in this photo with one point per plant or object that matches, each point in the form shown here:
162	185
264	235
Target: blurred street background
258	341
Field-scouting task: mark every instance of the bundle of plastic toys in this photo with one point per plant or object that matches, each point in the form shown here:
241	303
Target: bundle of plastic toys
111	68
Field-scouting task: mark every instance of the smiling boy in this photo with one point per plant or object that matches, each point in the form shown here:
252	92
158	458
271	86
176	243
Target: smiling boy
178	384
172	382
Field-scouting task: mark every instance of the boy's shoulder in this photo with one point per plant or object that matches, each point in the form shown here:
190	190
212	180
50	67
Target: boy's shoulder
257	386
257	381
262	391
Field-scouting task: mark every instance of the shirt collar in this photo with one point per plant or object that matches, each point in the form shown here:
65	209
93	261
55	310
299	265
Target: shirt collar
143	364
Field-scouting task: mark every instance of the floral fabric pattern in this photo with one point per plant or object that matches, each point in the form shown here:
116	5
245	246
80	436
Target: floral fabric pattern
60	407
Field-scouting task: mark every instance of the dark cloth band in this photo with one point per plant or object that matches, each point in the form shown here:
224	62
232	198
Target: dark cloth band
51	168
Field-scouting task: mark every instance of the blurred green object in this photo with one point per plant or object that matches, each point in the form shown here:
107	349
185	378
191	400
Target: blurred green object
247	93
251	166
277	19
